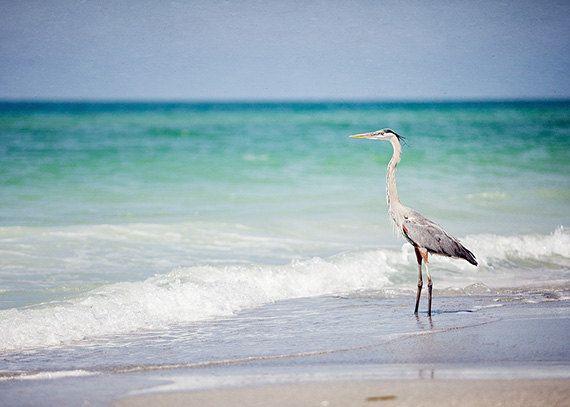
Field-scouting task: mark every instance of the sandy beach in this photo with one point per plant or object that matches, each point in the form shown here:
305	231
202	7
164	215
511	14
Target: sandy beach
520	358
371	393
513	354
284	203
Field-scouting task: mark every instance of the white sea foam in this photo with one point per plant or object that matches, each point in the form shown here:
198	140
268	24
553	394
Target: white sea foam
553	247
198	293
186	295
48	375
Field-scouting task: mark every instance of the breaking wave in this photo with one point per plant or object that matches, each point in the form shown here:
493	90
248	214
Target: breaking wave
197	293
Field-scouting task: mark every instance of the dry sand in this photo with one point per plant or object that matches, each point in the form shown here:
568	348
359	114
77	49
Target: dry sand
551	392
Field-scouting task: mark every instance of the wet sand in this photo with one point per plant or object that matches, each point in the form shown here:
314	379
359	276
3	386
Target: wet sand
511	355
520	358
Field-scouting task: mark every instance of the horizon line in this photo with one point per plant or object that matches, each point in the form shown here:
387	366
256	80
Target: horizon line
282	101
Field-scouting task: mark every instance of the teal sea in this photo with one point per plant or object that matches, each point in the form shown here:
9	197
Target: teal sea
471	164
125	222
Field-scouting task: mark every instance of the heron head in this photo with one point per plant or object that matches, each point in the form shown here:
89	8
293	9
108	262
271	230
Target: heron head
384	134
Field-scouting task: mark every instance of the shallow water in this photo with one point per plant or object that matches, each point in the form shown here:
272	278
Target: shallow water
285	333
149	222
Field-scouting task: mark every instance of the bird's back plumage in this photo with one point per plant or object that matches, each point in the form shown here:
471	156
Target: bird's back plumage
424	233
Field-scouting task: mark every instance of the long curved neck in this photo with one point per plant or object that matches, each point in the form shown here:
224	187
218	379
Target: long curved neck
391	190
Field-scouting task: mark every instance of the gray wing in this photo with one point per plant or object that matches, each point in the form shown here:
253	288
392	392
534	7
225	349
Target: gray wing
422	232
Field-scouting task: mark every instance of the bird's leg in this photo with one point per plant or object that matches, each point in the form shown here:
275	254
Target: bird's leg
429	289
420	282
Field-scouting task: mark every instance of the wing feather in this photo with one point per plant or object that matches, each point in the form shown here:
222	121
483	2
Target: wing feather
422	232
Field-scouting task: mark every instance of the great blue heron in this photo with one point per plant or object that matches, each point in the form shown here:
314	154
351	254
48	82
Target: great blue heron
426	236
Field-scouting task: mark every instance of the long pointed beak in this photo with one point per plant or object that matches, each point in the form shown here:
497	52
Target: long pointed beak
362	135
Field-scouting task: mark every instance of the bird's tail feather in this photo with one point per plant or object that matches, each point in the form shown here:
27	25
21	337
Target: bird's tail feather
467	255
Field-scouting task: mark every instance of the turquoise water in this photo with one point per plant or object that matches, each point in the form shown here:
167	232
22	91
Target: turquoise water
115	218
481	167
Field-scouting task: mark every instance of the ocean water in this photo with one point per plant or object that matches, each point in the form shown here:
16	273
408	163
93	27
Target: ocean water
167	225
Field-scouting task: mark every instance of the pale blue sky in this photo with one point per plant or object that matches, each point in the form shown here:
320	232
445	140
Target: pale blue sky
284	49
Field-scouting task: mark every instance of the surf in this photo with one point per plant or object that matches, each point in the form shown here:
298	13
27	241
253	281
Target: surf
189	294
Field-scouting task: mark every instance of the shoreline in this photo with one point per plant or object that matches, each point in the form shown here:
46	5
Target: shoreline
518	349
477	365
